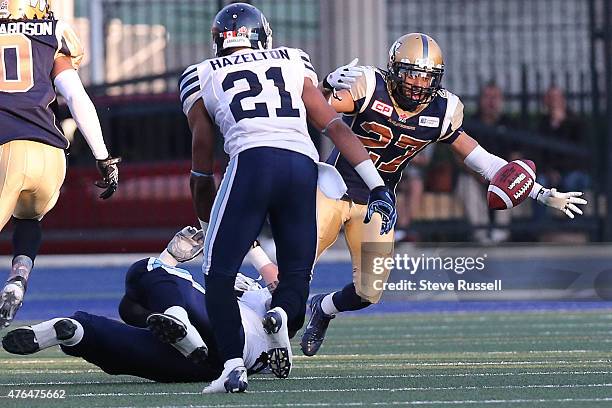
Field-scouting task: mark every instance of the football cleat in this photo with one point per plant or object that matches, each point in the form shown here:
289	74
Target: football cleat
166	328
314	334
170	330
11	299
235	380
25	340
279	352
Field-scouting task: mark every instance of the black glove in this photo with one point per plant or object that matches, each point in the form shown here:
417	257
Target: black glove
382	201
110	176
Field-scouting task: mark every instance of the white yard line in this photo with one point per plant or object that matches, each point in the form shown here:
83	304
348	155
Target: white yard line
326	377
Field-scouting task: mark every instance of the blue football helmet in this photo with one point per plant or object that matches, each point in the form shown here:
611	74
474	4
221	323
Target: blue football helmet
240	25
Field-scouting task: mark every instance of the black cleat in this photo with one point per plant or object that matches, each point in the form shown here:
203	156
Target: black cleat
170	330
20	341
65	329
314	334
23	340
166	328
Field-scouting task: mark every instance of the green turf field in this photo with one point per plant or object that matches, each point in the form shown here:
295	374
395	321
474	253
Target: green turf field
548	359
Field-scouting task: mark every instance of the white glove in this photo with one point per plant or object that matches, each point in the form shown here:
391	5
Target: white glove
565	202
186	244
244	283
343	77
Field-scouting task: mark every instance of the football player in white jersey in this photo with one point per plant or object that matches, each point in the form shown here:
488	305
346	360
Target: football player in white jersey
260	98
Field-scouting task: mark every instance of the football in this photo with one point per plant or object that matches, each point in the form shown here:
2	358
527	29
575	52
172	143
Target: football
511	185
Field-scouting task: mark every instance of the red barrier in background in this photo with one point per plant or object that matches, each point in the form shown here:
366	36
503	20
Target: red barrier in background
153	201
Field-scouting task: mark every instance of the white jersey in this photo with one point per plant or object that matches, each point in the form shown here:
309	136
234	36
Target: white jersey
255	97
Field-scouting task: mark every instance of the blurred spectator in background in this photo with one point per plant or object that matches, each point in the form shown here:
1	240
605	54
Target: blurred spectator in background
485	126
410	193
563	125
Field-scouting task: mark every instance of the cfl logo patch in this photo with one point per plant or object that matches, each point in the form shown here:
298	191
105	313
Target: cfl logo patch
383	108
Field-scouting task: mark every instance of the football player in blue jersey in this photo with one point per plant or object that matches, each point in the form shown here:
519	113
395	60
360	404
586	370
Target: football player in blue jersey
261	98
38	60
166	335
396	113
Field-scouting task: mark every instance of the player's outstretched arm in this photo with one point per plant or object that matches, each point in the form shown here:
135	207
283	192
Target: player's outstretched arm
487	164
69	85
327	121
202	182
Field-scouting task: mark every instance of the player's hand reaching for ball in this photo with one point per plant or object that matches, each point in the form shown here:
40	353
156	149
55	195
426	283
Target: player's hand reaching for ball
382	202
110	176
565	202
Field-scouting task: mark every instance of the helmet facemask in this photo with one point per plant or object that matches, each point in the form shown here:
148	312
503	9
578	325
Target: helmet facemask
412	85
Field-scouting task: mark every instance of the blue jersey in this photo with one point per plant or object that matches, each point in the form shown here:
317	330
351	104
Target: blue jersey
28	50
391	135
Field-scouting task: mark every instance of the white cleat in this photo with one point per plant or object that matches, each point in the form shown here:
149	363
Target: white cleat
11	300
234	380
280	355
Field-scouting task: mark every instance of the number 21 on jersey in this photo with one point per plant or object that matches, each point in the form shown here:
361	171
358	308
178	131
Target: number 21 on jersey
260	94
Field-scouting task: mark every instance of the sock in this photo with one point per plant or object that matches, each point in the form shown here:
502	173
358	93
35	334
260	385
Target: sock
46	336
22	266
348	299
328	304
27	236
192	340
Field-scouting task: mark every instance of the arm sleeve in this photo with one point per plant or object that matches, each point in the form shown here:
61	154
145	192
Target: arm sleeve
68	44
69	85
484	163
189	88
309	71
453	119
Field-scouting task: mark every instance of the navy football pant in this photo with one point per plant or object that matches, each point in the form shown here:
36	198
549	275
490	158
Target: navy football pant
121	349
152	288
258	183
118	348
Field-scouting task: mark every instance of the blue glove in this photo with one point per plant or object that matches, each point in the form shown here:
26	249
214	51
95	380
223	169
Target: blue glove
382	201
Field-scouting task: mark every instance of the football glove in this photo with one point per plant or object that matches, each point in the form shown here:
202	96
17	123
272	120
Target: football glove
186	244
382	201
110	176
245	283
343	77
565	202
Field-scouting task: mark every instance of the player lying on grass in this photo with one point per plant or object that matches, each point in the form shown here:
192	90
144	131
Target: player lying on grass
166	335
396	114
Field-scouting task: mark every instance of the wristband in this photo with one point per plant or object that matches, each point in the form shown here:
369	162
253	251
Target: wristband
369	174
